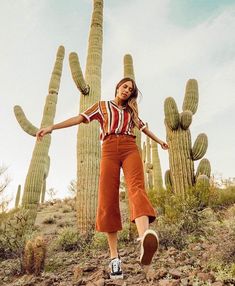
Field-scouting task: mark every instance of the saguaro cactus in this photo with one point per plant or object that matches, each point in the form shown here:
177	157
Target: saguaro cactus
129	72
148	164
181	153
157	171
39	165
88	146
17	200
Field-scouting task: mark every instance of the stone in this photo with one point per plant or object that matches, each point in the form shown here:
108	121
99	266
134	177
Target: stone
206	276
175	273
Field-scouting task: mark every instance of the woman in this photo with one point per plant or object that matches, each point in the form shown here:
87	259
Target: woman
117	119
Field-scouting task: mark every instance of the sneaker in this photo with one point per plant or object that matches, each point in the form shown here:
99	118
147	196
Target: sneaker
149	245
115	267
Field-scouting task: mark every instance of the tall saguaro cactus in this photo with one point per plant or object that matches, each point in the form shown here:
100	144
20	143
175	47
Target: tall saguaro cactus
129	72
39	165
88	146
181	176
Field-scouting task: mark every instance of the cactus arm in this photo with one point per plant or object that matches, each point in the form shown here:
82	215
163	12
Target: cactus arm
191	96
77	74
54	83
25	124
128	67
186	119
199	147
171	113
204	168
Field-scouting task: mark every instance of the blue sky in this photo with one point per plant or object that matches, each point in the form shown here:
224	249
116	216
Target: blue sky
170	41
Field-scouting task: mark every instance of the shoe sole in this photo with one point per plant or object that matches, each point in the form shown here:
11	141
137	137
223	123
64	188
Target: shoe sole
150	246
116	276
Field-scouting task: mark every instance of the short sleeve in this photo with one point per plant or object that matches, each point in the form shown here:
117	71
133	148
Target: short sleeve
142	125
91	113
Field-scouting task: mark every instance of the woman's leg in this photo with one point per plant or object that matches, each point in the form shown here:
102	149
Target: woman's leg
142	224
112	241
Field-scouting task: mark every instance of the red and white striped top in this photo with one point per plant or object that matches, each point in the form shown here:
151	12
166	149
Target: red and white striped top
112	118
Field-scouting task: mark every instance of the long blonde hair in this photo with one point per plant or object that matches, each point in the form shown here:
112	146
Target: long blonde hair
131	103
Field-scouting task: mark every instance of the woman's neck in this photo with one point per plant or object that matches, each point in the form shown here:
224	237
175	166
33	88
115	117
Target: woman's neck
119	102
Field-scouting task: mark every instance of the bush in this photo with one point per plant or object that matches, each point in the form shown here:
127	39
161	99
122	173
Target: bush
49	220
68	240
99	241
224	197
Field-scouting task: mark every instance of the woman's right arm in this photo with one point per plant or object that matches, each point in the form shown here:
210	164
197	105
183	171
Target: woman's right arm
67	123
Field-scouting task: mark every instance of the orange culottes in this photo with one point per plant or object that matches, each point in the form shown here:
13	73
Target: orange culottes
121	151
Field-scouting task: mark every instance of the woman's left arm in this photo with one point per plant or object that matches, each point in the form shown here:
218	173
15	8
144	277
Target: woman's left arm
155	138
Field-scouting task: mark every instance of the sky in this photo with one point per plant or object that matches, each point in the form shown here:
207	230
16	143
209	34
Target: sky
170	41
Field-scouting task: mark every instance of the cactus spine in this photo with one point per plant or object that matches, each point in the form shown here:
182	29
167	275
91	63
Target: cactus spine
39	165
181	154
88	146
17	200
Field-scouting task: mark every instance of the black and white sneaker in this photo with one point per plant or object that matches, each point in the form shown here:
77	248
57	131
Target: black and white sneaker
115	269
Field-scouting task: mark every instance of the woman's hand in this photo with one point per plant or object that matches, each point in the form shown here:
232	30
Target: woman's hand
42	132
164	145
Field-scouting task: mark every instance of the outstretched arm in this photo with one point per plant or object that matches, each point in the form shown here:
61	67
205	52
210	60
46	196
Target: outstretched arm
67	123
155	138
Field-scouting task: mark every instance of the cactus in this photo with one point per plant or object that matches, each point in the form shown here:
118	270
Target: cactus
181	153
39	165
157	172
28	257
148	164
129	72
88	146
34	256
39	254
18	197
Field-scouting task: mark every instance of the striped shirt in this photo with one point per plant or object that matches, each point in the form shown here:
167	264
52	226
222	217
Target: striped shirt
113	119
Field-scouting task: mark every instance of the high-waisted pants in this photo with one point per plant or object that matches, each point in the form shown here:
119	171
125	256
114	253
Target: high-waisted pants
121	151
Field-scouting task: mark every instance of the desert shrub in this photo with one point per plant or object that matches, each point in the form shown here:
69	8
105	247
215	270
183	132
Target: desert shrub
224	197
128	233
66	210
14	232
68	240
49	220
180	215
99	241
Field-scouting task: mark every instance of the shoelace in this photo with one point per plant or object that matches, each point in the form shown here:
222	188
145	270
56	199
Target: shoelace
115	265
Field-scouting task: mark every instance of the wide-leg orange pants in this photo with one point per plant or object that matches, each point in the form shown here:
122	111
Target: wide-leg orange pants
121	151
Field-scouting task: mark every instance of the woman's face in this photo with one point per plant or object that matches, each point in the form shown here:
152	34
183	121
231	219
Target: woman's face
125	90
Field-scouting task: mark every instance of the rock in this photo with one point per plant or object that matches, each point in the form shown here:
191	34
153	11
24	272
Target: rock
166	282
100	282
161	272
206	276
175	273
77	270
89	268
184	282
217	283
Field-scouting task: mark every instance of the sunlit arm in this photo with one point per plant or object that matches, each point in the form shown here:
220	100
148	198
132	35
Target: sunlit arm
67	123
155	138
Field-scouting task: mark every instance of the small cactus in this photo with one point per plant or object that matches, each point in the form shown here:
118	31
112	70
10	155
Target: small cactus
28	257
34	255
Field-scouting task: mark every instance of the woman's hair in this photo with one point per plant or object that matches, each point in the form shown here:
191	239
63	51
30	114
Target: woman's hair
131	103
